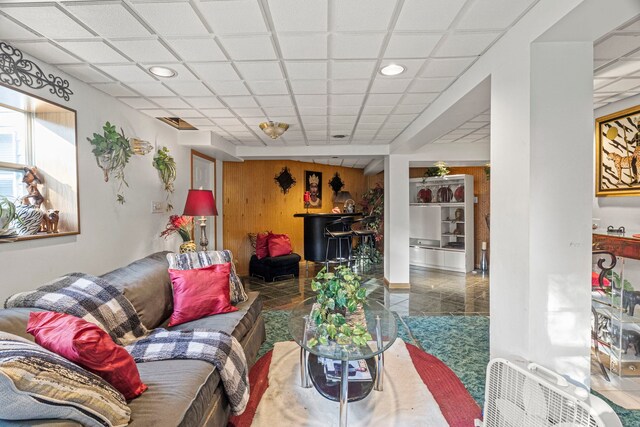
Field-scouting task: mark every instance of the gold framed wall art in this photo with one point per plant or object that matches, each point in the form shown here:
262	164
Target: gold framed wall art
618	153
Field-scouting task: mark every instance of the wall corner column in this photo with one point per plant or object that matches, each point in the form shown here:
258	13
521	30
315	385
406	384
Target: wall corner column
396	220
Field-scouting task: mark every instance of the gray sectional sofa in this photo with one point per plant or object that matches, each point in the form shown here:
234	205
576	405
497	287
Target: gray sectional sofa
181	392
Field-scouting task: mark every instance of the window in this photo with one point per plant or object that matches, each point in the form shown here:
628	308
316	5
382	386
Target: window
14	146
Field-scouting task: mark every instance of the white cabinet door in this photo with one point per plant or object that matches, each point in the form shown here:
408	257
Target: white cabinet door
417	256
434	258
454	261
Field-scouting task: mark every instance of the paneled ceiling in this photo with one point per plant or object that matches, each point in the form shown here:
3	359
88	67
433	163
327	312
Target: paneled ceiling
311	63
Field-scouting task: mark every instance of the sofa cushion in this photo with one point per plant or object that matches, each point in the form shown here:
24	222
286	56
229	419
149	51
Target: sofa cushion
38	384
283	260
14	321
147	285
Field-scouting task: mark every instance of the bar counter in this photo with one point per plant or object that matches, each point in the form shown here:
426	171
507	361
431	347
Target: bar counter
315	244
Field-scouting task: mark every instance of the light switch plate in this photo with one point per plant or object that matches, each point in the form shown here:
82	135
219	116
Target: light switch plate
157	207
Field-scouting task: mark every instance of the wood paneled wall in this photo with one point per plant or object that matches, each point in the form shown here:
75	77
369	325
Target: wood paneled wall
481	209
253	202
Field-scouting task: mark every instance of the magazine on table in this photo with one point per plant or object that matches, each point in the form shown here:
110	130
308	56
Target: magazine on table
358	369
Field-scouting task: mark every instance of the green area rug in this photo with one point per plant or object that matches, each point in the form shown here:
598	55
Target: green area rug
461	342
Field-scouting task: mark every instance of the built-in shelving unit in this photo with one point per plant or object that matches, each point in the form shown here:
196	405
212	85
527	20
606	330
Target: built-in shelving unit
441	222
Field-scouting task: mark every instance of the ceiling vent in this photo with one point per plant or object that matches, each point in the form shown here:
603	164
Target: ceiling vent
177	123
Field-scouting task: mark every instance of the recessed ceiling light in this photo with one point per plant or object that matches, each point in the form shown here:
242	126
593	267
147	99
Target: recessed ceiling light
162	71
392	70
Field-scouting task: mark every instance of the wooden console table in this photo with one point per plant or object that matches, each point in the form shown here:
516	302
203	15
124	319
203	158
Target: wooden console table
622	245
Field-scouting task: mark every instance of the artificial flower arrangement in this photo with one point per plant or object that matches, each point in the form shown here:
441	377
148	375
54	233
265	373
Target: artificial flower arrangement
181	225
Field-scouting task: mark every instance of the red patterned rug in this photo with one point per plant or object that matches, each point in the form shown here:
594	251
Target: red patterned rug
455	404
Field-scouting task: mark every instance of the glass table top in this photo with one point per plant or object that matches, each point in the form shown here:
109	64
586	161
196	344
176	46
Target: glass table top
302	329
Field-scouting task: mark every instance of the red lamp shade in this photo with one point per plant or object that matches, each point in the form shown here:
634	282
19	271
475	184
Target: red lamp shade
200	203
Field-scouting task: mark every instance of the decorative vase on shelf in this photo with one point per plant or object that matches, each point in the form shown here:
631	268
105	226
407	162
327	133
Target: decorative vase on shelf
188	246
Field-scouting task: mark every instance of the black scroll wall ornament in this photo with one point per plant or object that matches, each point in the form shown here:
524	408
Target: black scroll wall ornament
17	71
336	183
285	180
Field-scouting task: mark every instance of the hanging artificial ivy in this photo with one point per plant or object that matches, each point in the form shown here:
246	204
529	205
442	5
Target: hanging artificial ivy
166	166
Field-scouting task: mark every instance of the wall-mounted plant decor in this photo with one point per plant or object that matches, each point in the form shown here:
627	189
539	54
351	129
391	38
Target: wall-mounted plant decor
285	180
166	166
16	71
112	151
336	183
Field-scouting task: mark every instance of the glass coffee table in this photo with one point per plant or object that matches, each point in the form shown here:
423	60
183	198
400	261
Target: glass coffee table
380	323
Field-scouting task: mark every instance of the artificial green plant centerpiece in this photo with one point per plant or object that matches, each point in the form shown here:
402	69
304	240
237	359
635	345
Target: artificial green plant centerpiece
166	166
339	294
113	151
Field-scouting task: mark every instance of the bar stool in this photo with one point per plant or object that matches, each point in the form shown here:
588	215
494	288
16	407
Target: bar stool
338	231
366	238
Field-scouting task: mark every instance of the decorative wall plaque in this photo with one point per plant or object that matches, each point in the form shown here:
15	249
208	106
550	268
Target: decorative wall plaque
17	71
336	183
285	180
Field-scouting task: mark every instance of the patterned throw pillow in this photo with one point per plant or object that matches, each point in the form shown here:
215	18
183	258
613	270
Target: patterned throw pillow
38	384
191	260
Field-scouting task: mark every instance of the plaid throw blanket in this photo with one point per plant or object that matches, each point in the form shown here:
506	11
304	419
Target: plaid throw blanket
95	300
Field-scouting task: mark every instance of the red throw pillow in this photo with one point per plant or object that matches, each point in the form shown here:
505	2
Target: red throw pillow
262	245
200	292
279	244
89	346
595	280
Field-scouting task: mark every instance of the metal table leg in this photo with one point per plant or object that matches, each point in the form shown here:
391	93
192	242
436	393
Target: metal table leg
380	359
304	359
344	393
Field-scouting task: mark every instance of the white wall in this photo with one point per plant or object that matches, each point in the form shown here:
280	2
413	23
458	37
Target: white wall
112	235
616	211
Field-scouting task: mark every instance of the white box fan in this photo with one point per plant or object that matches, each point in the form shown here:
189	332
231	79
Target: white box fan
521	395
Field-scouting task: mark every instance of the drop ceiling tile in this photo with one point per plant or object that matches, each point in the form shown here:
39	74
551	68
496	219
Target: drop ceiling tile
409	109
108	20
183	73
291	16
435	15
315	129
216	112
249	48
404	45
412	66
401	118
47	20
616	46
237	131
312	111
451	67
307	46
599	83
215	71
240	101
200	122
254	122
228	88
471	125
170	102
204	102
311	100
46	52
352	69
156	113
138	102
438	84
620	68
85	73
347	100
228	122
196	49
395	127
269	87
145	51
347	45
368	126
114	89
343	119
306	70
274	101
127	73
95	52
349	86
248	112
280	111
481	118
622	85
151	89
383	99
185	113
315	134
465	44
184	20
9	30
377	109
188	88
389	85
351	110
260	70
317	87
495	14
361	15
233	17
314	119
373	119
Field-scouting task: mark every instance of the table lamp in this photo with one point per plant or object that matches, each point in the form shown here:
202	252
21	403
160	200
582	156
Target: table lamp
345	198
201	203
